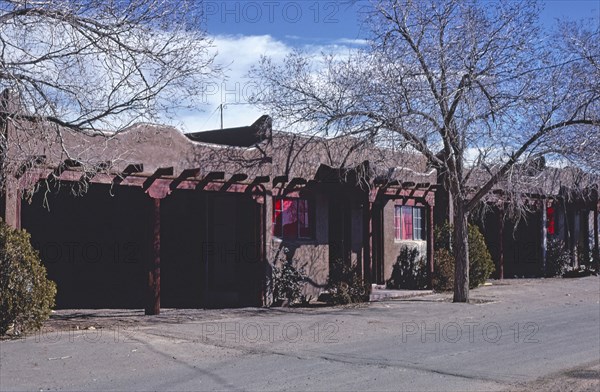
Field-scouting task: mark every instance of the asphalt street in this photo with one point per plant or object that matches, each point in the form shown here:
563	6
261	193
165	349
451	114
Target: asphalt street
512	334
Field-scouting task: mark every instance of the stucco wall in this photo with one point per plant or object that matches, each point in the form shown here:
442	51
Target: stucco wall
311	255
391	246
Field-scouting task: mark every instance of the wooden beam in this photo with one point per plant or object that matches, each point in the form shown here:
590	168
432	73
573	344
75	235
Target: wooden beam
210	177
153	288
161	171
280	180
235	179
257	189
66	165
296	181
187	173
129	170
261	180
32	162
88	175
238	177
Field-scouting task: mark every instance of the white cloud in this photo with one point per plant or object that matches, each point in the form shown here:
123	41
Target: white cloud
237	54
353	42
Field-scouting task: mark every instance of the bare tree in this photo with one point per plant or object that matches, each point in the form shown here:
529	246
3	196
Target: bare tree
100	65
469	85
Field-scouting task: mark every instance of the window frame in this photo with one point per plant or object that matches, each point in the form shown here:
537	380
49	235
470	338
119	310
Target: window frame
413	231
308	211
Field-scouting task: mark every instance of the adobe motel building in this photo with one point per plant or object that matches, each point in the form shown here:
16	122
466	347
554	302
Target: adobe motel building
152	217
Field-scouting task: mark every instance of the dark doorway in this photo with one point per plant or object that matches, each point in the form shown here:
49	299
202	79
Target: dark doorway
340	230
377	241
234	272
93	246
183	224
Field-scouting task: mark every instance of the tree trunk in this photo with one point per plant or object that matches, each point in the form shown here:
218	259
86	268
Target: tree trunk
461	252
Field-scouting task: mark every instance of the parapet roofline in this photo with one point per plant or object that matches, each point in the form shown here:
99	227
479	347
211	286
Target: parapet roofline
247	136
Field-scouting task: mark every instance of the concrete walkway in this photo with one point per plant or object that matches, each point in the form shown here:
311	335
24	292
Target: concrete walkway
380	293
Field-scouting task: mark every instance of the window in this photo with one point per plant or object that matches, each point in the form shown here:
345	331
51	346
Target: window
418	224
409	223
293	218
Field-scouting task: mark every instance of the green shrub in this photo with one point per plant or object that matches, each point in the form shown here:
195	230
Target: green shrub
345	284
443	272
409	271
481	265
558	258
26	295
287	281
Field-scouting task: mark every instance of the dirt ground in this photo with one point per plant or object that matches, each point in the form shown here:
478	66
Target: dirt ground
580	379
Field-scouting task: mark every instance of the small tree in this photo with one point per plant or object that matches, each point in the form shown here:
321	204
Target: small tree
26	295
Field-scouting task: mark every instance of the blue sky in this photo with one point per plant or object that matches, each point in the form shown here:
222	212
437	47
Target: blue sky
245	30
311	21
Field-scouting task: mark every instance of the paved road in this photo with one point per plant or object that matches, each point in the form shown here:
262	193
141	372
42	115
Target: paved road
512	334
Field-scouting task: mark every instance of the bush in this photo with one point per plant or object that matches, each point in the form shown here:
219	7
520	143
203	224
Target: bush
287	282
409	271
595	263
443	273
481	265
26	295
345	284
558	258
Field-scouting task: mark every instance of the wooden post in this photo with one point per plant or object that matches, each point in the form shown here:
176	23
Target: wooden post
596	239
368	241
576	236
430	244
12	207
501	245
544	233
266	243
153	299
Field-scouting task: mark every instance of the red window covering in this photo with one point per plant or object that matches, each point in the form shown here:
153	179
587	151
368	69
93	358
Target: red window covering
292	218
407	223
550	220
398	223
277	214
